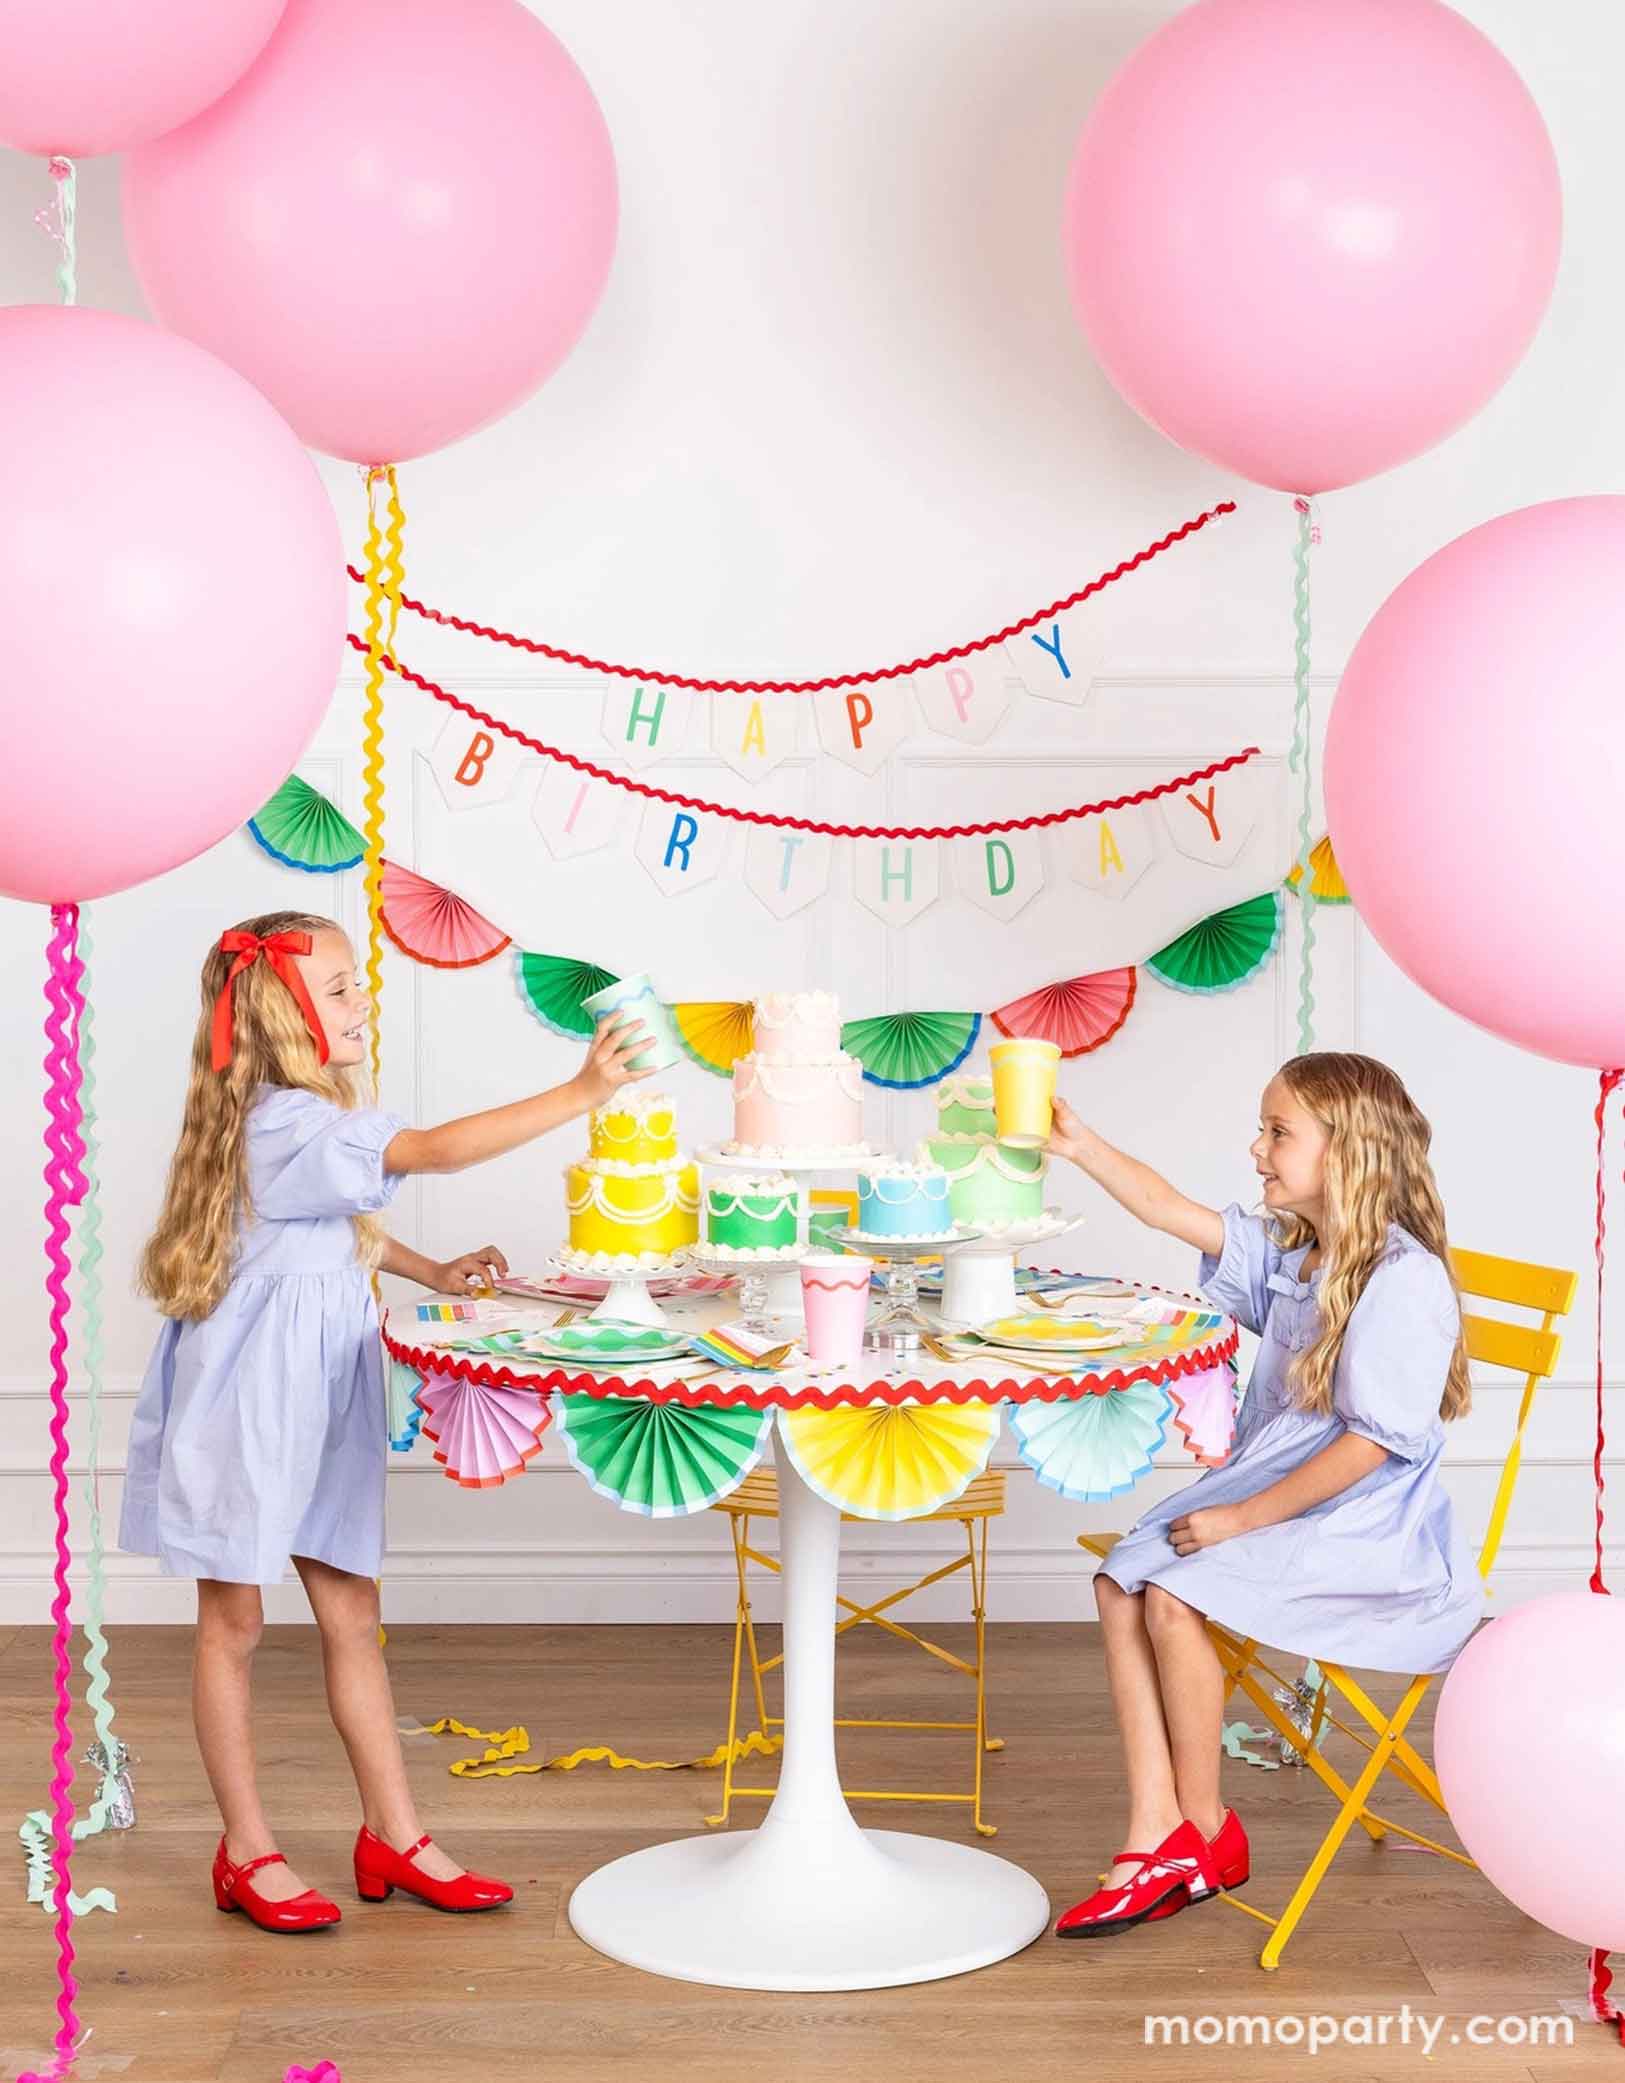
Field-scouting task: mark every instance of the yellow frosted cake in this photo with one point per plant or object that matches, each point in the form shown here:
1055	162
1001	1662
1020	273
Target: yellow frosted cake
636	1195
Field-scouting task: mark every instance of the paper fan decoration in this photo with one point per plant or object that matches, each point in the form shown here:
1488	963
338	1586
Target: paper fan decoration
662	1459
1223	950
405	1411
1090	1447
302	829
716	1033
553	987
432	925
1077	1016
904	1050
1325	877
884	1461
482	1435
1205	1412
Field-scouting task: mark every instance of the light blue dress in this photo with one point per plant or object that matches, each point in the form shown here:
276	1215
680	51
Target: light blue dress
259	1433
1377	1576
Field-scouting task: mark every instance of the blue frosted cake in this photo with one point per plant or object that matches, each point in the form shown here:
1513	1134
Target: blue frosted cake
904	1200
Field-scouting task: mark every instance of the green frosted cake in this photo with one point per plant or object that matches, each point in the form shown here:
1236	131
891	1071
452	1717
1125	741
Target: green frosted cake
990	1185
965	1109
754	1217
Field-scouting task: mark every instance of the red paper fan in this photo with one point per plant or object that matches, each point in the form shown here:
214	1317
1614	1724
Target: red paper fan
431	925
1077	1016
482	1435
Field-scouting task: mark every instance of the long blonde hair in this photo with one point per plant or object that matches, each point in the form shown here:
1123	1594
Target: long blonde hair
1377	1172
187	1264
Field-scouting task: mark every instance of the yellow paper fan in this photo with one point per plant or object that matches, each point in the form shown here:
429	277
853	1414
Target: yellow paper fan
885	1461
1325	877
716	1032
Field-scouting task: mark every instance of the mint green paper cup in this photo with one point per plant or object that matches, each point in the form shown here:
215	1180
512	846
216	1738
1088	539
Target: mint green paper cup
634	997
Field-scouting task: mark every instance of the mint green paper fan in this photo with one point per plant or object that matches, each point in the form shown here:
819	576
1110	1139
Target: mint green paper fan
1222	950
662	1460
905	1050
302	829
405	1411
1092	1447
553	987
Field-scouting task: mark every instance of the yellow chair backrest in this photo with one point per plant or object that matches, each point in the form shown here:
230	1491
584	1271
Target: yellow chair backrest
1527	1349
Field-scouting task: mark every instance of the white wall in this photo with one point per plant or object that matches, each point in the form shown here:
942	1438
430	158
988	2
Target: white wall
834	409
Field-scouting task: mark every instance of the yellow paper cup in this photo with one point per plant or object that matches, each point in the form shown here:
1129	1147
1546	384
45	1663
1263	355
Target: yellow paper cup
1024	1090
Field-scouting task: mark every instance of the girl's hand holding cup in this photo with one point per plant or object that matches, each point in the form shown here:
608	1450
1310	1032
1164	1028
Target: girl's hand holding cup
1067	1133
609	1065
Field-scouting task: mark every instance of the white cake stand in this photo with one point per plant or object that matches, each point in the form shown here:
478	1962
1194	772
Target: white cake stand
979	1275
809	1900
628	1300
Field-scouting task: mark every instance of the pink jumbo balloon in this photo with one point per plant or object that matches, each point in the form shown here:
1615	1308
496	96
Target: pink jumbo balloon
1309	238
1475	777
171	601
1529	1744
397	225
88	76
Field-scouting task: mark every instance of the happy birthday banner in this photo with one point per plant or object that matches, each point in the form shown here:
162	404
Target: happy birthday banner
962	692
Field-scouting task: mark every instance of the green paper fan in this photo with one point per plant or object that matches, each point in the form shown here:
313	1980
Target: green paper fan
905	1050
553	987
302	829
662	1459
1223	950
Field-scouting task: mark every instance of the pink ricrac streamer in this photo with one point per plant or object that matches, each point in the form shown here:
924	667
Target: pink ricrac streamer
65	1188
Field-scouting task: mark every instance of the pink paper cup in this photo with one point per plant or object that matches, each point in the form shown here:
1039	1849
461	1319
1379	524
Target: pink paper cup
835	1303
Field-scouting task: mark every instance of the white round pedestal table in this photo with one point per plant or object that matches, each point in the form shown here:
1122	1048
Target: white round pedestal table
808	1900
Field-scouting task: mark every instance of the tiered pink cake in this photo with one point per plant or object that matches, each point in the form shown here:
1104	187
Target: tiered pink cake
797	1093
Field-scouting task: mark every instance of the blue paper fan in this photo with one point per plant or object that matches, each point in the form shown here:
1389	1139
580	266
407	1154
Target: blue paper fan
1092	1447
405	1411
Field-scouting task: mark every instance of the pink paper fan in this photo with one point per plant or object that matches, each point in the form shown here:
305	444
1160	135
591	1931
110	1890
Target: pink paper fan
1077	1016
482	1435
431	925
1205	1412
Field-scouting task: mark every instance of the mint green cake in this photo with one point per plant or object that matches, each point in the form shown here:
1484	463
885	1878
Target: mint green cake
965	1108
990	1185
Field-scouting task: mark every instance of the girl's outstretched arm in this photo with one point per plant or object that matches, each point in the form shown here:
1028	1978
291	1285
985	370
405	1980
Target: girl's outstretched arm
455	1145
1135	1186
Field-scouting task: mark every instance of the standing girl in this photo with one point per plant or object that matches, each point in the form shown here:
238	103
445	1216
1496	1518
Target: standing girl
1327	1532
259	1436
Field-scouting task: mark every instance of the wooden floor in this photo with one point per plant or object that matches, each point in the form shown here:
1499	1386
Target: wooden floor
399	1994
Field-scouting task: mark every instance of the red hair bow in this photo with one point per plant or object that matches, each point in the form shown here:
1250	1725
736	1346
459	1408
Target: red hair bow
279	950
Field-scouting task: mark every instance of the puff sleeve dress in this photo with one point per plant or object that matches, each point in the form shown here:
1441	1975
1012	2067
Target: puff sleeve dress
1377	1576
259	1433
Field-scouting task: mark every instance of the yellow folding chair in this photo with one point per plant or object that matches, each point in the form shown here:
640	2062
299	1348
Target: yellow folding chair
1531	1350
758	1498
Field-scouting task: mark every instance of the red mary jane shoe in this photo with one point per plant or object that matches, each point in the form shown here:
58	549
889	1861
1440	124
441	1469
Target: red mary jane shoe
380	1870
306	1912
1184	1868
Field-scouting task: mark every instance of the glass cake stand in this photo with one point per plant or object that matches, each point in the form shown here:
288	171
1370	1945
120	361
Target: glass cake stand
979	1273
770	1290
899	1329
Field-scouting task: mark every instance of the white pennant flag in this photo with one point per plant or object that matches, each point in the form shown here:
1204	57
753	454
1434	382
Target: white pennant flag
1059	658
1111	850
969	699
896	879
576	814
681	849
1212	820
641	723
1000	872
863	726
786	870
754	733
475	767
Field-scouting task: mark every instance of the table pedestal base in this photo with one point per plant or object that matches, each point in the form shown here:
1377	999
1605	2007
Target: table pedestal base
809	1901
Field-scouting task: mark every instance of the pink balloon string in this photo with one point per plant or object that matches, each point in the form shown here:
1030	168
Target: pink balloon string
66	1186
1606	1083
